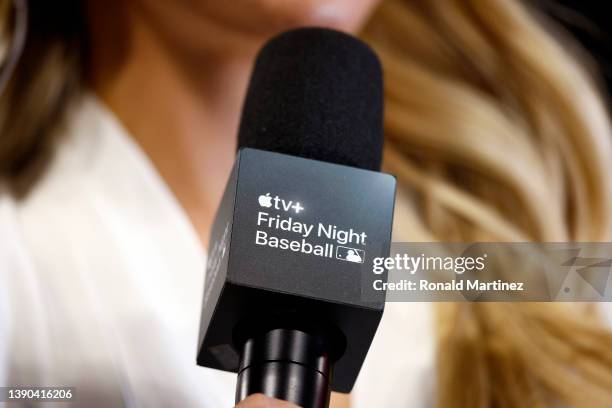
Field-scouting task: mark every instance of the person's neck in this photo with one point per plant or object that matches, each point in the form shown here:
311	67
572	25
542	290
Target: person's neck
183	110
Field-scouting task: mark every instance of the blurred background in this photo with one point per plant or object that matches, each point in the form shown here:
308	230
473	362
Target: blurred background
118	124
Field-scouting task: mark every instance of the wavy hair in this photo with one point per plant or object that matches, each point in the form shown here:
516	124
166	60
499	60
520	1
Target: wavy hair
496	132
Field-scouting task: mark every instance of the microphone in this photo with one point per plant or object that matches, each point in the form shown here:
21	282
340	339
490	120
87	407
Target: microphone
288	300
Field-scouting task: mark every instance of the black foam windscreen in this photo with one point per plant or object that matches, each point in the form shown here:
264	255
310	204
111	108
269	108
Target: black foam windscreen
316	93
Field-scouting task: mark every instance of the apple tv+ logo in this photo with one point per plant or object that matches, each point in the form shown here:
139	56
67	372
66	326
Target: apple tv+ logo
277	203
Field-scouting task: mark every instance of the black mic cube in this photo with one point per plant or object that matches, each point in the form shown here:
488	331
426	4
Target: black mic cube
296	235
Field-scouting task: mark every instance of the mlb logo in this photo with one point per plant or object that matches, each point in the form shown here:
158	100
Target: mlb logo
350	254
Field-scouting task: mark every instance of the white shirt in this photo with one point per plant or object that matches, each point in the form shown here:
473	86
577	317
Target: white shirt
101	279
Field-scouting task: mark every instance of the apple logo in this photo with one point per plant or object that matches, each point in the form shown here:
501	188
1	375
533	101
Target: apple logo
265	200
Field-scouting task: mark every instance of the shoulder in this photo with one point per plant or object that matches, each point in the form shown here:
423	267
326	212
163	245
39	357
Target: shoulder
34	230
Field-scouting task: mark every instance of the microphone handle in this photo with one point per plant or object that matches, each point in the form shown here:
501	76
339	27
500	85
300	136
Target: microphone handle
286	364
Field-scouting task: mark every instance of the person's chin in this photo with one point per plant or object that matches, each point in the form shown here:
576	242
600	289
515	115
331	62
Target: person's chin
343	15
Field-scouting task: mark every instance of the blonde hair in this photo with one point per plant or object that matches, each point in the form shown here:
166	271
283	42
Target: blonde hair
496	133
